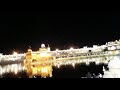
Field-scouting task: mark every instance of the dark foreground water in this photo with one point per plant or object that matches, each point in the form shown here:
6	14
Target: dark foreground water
66	71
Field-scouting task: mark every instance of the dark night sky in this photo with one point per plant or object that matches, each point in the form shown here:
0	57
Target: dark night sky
18	30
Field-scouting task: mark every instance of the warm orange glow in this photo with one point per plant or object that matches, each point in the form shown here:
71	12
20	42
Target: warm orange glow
39	70
37	62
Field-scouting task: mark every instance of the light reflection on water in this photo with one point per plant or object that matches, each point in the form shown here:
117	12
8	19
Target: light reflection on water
11	68
19	70
30	71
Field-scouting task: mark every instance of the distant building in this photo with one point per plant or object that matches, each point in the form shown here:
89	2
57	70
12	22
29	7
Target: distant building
114	69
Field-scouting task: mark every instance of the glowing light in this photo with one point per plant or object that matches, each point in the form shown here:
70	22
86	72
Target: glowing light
29	50
97	62
43	54
87	63
58	66
15	53
42	45
71	48
16	70
56	50
44	70
73	64
113	48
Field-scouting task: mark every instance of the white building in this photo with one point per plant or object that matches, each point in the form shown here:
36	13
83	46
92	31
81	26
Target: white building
114	69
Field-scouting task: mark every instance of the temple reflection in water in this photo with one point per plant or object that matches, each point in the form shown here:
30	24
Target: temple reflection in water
39	70
38	62
29	71
42	62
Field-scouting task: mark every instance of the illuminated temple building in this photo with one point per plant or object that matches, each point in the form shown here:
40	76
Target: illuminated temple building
37	62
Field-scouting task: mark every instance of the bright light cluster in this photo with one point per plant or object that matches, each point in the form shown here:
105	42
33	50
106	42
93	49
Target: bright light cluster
14	68
15	53
43	54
